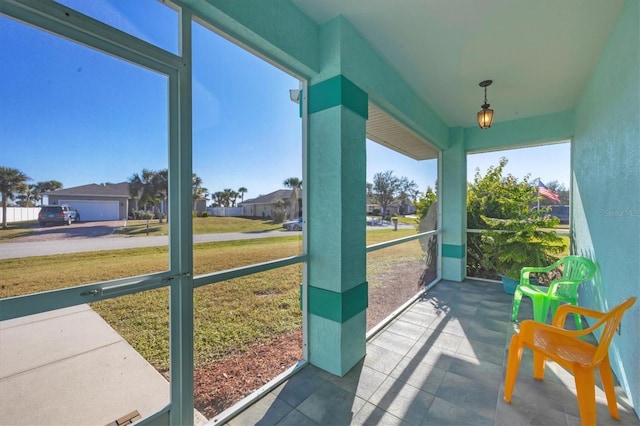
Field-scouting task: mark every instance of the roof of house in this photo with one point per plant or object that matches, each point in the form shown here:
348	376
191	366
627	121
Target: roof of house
95	190
280	194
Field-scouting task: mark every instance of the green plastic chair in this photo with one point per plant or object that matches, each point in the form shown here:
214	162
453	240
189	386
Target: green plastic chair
576	270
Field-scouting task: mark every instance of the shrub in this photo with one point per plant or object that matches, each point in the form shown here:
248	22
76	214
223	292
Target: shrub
512	244
502	204
143	215
279	211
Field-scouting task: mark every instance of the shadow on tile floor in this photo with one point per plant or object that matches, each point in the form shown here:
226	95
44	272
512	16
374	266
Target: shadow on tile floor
441	362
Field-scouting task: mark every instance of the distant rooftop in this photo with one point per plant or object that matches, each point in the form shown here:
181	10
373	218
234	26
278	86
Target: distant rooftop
104	190
280	194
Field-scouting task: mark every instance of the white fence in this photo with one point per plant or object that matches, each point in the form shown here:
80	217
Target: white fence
225	211
20	214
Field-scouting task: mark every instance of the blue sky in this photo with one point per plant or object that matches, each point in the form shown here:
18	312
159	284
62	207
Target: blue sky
79	116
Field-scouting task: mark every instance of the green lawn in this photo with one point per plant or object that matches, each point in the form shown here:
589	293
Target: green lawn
201	225
228	316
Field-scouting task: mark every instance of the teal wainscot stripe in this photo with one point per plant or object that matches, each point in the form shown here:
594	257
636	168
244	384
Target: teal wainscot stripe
338	307
452	250
336	91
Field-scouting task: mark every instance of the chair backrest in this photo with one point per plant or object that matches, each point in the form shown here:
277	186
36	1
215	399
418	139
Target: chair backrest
577	269
611	320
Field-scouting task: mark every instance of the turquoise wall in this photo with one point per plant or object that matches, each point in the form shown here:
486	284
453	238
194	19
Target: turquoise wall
453	196
520	133
606	188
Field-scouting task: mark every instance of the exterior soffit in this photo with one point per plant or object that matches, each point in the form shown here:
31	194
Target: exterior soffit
389	132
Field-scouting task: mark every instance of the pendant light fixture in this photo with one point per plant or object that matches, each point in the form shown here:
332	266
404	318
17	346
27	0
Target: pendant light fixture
485	117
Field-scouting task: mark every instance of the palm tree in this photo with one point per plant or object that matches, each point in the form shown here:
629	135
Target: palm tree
292	182
26	196
217	199
48	186
199	192
161	186
296	185
150	187
234	196
135	189
229	197
11	181
242	190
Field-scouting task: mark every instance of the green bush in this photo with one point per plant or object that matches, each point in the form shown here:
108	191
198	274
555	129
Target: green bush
497	202
512	244
143	215
279	211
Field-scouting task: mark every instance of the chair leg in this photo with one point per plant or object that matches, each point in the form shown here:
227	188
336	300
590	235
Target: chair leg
539	364
607	385
517	298
540	308
513	364
586	389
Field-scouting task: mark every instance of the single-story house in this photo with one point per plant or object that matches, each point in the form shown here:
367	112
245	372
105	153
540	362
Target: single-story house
393	208
107	201
264	205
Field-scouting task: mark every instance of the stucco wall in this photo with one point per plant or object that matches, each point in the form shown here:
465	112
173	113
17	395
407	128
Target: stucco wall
606	188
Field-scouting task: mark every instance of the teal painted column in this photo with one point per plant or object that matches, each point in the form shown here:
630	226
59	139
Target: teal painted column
453	194
336	228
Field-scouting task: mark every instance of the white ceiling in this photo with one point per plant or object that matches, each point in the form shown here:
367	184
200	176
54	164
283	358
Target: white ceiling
539	53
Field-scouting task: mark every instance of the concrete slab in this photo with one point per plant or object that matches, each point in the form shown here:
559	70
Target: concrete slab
70	367
58	337
43	316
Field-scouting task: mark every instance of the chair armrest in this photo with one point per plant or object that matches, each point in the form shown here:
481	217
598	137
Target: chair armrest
524	277
528	269
564	310
551	267
555	284
528	328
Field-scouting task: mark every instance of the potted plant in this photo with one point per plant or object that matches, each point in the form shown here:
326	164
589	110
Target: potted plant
512	244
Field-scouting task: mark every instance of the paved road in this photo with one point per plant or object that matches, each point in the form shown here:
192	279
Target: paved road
96	236
12	250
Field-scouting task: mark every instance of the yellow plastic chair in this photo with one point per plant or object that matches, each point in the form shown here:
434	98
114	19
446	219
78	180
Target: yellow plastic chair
576	270
568	349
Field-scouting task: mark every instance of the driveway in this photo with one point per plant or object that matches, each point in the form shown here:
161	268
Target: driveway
73	231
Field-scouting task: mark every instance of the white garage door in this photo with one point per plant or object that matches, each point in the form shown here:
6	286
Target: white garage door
95	210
